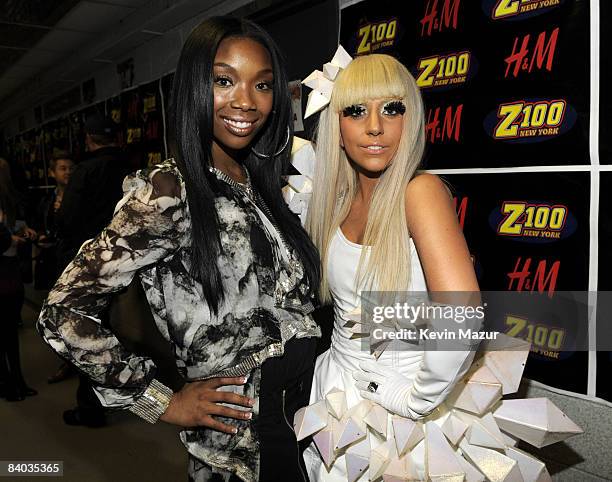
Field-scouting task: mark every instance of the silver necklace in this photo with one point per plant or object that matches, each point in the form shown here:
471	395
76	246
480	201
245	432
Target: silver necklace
255	198
246	187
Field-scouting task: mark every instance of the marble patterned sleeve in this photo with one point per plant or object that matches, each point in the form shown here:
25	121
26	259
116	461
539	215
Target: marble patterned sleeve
144	230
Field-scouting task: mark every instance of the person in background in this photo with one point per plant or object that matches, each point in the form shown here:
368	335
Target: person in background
95	187
12	384
47	267
89	199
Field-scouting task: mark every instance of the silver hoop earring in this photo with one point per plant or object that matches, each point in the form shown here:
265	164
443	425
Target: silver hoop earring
268	156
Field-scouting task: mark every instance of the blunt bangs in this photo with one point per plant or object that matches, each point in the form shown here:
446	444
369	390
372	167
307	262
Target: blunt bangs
367	78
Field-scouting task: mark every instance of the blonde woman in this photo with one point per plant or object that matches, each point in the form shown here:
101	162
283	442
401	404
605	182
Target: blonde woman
378	224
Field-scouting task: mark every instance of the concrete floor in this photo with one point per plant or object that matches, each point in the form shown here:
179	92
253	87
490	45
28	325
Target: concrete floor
33	430
131	450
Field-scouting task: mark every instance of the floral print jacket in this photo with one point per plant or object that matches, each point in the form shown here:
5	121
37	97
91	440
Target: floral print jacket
150	236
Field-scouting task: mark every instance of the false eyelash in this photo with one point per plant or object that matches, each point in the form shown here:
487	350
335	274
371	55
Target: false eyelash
396	106
353	111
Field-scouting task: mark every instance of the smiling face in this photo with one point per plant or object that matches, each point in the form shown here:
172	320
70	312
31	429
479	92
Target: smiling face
370	133
243	95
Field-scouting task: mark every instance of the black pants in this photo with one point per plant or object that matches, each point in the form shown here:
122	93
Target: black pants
285	387
11	302
88	403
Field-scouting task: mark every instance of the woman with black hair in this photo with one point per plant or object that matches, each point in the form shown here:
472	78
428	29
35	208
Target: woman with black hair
227	269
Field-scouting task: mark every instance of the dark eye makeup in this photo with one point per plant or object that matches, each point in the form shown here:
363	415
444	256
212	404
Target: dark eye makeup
354	110
395	107
391	108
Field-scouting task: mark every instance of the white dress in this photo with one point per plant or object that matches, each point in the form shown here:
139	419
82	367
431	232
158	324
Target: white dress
335	367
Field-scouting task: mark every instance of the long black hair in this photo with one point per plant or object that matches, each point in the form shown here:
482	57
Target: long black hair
191	114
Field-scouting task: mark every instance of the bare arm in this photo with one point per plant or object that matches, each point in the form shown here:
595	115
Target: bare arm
434	227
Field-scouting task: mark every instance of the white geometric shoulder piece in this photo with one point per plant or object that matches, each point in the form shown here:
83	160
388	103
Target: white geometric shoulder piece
324	441
352	426
336	402
359	411
310	419
537	421
357	459
454	428
380	457
441	463
406	433
485	433
401	470
471	473
506	357
299	205
482	431
508	440
322	82
532	469
377	419
354	315
350	431
478	391
303	156
298	191
496	466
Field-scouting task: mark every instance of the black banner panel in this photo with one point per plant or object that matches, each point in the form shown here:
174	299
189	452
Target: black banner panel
505	83
605	79
524	231
604	319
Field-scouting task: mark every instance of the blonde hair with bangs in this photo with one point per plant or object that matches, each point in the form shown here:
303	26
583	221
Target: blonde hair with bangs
387	268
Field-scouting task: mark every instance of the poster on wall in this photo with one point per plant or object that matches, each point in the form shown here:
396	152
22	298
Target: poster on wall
605	94
524	231
151	115
504	85
604	281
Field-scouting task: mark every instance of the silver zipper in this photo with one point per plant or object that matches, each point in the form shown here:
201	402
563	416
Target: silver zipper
297	445
255	198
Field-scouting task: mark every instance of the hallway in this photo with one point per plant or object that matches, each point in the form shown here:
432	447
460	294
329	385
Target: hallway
127	449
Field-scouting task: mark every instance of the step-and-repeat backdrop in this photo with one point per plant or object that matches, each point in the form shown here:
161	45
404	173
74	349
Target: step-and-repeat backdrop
507	90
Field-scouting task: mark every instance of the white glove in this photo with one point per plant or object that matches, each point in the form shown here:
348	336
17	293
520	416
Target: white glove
414	398
393	391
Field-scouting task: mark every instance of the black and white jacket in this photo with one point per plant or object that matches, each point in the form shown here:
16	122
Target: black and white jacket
150	236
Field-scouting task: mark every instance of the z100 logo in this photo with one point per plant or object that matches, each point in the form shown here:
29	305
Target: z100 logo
535	222
510	9
446	127
530	120
524	60
375	36
438	19
545	340
443	70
